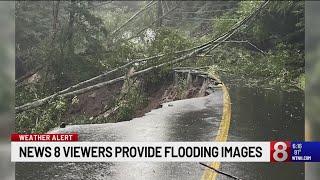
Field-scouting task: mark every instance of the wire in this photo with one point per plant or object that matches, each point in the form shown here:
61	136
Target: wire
204	19
199	12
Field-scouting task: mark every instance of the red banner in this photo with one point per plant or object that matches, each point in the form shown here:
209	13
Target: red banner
45	137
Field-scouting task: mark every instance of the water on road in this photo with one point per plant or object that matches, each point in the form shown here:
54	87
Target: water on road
257	115
194	119
265	115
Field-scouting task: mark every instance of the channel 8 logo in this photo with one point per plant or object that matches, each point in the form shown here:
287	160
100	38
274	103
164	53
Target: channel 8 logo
280	151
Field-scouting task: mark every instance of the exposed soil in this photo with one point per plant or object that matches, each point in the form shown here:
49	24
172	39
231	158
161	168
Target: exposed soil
94	104
154	101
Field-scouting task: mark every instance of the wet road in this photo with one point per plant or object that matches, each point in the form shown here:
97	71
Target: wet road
257	115
265	115
196	119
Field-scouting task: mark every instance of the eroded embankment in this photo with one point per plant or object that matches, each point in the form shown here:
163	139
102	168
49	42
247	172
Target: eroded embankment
137	96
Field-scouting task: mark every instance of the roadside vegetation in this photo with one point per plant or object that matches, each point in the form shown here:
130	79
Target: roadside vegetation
62	44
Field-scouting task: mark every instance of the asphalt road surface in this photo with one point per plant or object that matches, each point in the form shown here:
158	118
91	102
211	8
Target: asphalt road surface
194	119
256	115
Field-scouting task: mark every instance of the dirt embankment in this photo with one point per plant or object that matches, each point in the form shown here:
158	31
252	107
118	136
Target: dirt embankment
180	86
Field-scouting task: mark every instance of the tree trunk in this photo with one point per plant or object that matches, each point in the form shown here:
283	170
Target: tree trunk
55	12
70	27
200	49
159	13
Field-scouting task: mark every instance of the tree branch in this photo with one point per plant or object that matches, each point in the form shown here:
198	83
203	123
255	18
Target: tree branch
196	50
248	42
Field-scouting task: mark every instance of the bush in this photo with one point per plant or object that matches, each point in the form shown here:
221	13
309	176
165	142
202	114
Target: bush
41	121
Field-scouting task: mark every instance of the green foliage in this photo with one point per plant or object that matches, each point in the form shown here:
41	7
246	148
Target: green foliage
181	87
41	121
301	81
127	108
27	93
81	47
283	21
72	52
278	30
222	25
130	100
31	27
120	53
279	67
228	19
167	42
118	13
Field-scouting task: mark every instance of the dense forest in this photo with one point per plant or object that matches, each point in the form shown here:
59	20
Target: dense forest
96	62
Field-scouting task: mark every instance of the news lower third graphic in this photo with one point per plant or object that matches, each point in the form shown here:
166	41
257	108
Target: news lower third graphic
67	148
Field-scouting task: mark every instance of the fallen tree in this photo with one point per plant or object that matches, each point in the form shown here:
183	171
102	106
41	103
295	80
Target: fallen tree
209	46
